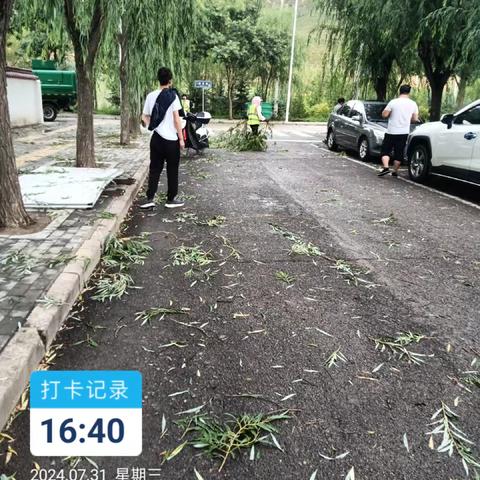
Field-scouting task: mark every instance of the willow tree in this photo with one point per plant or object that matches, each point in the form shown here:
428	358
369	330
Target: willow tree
454	50
370	37
86	22
32	28
150	33
12	210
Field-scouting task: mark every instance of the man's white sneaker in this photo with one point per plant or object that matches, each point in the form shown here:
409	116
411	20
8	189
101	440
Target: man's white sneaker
147	204
174	204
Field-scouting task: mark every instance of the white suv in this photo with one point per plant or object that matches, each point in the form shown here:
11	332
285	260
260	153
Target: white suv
449	148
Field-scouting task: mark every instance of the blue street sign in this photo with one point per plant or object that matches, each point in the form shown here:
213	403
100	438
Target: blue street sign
202	84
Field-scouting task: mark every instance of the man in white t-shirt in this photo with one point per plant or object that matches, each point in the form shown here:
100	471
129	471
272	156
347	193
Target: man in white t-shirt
166	141
401	113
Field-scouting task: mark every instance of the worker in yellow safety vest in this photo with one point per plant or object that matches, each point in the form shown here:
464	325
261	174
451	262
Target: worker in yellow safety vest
185	104
254	113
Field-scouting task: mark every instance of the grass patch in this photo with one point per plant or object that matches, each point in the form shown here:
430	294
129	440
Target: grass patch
226	439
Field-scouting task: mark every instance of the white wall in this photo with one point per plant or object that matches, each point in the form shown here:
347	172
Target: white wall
24	101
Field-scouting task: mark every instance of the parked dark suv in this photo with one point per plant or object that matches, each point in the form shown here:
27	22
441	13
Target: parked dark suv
358	125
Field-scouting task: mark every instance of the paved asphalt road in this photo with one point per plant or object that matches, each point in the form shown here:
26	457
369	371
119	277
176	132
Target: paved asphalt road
395	258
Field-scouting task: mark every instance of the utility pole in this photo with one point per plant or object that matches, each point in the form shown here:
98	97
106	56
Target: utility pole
290	74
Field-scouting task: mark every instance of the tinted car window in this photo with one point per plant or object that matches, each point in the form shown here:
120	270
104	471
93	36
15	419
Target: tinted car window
374	111
470	117
345	110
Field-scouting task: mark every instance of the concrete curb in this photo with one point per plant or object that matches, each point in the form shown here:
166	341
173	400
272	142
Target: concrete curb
25	351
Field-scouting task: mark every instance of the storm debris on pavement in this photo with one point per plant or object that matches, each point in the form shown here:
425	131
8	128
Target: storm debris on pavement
285	277
121	252
225	439
397	346
112	286
158	313
334	358
454	440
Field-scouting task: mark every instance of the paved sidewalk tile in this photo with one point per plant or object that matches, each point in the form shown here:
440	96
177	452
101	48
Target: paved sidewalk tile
24	283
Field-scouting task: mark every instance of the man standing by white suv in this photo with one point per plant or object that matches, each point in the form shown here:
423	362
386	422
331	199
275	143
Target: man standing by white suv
401	113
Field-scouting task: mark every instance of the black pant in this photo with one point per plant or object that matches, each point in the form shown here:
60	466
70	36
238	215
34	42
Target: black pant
394	144
161	150
254	129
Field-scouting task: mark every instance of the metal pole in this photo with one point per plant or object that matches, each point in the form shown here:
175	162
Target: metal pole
290	74
120	52
203	99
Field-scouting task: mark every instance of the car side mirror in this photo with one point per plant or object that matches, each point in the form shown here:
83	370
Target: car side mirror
448	120
358	118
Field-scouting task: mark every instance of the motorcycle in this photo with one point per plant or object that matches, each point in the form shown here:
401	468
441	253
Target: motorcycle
195	132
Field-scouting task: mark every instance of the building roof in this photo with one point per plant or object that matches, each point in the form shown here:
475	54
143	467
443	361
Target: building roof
21	73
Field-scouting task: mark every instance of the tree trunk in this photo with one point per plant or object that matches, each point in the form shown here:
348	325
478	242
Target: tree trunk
85	136
134	125
437	74
12	210
436	104
124	93
462	88
95	96
85	50
230	102
267	85
381	84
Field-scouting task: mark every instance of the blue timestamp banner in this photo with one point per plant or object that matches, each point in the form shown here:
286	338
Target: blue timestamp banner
86	413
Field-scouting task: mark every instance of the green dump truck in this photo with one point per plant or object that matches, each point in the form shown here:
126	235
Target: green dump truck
59	87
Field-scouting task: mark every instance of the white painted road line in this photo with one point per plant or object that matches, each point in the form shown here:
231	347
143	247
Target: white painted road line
407	180
301	134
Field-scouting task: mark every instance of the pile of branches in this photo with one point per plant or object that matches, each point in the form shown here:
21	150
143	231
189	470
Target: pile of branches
240	138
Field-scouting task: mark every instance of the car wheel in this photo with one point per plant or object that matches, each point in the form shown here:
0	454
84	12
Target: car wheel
331	141
419	163
364	149
49	112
